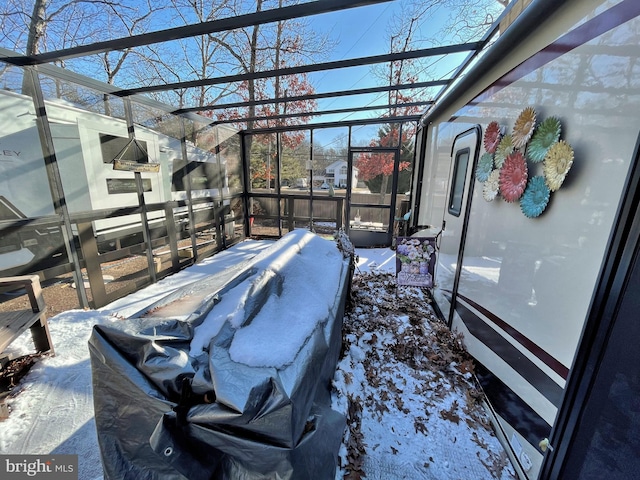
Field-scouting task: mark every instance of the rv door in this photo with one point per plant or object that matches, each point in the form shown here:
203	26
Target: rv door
464	154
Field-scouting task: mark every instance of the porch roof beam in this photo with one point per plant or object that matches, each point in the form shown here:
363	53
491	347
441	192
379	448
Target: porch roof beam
317	67
343	123
186	31
341	93
325	112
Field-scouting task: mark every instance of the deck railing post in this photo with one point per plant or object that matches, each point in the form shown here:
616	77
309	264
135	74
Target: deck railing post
55	180
172	233
290	213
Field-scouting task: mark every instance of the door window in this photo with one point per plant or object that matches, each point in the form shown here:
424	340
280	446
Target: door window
459	175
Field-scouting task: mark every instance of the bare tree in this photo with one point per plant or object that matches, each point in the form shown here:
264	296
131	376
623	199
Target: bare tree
187	59
269	47
467	21
57	24
130	21
53	24
410	28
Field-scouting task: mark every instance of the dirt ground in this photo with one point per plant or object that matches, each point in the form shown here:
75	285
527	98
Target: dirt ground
60	293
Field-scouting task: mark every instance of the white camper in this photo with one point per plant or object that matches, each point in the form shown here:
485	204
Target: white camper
523	171
86	143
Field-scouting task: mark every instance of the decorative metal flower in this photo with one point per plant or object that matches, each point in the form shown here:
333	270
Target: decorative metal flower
485	165
491	186
513	177
557	163
547	133
535	198
505	148
523	128
492	136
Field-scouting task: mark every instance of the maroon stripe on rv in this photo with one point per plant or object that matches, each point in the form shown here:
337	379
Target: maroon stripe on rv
541	354
611	18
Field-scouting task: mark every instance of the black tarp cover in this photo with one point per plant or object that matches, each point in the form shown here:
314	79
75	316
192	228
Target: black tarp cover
163	412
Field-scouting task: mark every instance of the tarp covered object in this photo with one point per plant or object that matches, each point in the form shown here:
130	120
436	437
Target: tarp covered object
229	378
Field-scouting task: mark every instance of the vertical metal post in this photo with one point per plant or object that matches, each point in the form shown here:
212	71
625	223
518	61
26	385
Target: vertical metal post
310	167
290	211
245	185
55	180
394	181
187	184
278	192
172	233
220	203
222	172
416	175
347	208
146	235
223	188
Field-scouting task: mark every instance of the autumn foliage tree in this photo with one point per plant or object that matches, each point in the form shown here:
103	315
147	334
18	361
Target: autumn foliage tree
376	168
266	151
259	48
468	20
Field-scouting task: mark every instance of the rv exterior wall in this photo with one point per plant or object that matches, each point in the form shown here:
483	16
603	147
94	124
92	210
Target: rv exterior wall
523	286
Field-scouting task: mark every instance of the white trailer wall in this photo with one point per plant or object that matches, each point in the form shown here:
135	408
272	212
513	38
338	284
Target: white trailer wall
526	284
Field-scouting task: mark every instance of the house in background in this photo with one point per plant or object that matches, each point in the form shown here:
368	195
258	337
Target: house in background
337	173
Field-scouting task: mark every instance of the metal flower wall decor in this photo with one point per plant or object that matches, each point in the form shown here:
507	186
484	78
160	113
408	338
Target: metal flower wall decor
503	168
505	148
492	136
523	128
484	168
513	177
491	186
535	197
557	163
547	134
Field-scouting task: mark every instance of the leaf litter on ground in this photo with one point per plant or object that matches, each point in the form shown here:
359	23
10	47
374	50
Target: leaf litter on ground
406	384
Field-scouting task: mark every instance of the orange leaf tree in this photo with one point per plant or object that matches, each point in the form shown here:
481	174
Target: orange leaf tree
376	168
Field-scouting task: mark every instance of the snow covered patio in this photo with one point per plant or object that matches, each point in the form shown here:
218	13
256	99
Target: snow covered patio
402	381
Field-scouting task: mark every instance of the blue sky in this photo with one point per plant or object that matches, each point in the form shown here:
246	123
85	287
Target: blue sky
358	32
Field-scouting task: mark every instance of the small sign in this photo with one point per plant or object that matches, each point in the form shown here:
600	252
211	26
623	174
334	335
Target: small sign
128	166
415	261
126	185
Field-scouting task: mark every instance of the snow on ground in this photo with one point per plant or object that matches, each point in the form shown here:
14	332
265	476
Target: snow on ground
414	411
412	408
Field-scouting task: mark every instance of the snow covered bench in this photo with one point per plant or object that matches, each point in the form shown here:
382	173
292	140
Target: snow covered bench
14	323
230	377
